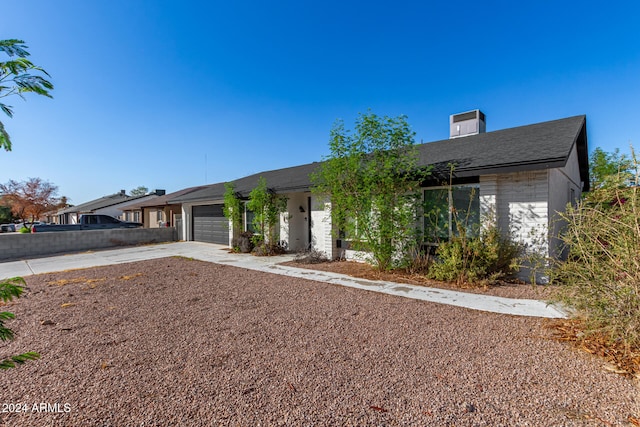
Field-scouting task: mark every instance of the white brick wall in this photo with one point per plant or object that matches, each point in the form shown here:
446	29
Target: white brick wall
521	203
488	198
321	231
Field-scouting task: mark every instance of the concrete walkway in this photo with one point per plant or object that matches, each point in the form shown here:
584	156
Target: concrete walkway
219	254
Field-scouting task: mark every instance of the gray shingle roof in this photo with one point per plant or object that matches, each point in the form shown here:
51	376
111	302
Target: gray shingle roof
100	203
537	146
163	200
287	180
532	147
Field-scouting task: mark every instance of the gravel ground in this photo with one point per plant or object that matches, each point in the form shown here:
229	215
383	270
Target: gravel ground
179	342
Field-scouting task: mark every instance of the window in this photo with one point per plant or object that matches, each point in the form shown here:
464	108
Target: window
447	211
159	215
572	197
105	219
353	233
136	216
248	219
436	215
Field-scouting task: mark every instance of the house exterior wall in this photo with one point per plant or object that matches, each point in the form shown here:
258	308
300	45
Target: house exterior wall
522	203
294	225
170	213
186	221
564	187
519	202
150	215
322	238
488	198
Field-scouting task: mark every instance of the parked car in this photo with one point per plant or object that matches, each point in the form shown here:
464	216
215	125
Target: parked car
87	222
8	228
27	224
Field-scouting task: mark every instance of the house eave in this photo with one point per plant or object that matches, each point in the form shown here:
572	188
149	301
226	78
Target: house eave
511	167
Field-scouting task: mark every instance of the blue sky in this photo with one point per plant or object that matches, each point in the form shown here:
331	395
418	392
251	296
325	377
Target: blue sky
173	94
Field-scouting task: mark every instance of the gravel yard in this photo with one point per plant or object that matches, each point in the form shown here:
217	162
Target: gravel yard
174	341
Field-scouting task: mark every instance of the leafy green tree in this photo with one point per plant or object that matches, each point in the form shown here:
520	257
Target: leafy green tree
9	289
6	215
373	181
605	167
16	78
139	191
233	208
266	206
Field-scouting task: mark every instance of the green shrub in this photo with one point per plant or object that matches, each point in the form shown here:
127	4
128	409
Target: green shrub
25	230
233	208
601	277
480	260
266	206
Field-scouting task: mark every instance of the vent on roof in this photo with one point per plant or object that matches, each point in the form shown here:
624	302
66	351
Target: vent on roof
465	124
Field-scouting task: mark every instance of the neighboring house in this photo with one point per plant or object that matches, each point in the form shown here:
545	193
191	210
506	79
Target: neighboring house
521	177
51	217
108	205
159	212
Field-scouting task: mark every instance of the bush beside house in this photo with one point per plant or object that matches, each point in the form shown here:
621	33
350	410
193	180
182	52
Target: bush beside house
601	276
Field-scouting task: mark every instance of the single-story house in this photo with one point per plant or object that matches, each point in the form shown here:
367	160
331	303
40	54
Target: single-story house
522	177
159	212
112	205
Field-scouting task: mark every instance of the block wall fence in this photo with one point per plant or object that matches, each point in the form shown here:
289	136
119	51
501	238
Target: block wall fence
15	246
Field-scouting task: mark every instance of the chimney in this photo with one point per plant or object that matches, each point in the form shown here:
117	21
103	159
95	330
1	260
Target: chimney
123	193
464	124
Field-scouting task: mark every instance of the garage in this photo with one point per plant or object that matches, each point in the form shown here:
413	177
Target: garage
210	224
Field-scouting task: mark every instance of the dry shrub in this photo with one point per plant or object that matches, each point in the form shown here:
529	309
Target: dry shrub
601	276
311	256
